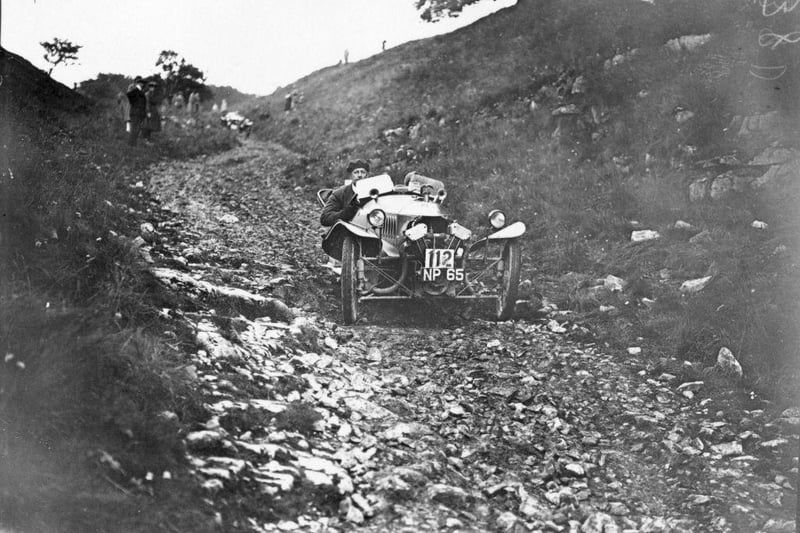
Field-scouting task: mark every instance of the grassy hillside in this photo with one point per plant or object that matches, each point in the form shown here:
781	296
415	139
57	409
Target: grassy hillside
589	120
87	370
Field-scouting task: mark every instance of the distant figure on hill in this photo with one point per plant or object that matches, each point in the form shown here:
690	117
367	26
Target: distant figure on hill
287	102
138	109
178	102
194	102
163	109
123	106
383	46
346	56
153	122
223	106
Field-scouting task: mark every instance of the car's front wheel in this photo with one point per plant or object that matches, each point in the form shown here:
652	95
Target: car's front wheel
508	288
351	251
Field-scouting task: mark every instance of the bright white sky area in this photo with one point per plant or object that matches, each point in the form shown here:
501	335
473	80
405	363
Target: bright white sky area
255	46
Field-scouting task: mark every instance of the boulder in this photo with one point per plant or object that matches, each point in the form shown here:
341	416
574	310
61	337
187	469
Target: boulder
698	190
728	363
448	495
613	283
692	386
684	115
599	523
148	231
694	285
531	507
790	418
506	521
727	448
703	237
205	439
229	219
688	43
193	254
721	186
644	235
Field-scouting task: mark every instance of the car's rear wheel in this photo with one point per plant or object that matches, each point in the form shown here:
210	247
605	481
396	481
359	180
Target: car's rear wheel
507	297
351	252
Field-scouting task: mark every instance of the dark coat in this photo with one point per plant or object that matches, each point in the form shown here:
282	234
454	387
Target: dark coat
138	102
342	204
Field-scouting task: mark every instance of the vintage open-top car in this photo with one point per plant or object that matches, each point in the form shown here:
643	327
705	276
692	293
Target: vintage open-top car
402	244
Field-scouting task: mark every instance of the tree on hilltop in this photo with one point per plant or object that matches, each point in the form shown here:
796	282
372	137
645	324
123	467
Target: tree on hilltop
433	10
180	76
60	51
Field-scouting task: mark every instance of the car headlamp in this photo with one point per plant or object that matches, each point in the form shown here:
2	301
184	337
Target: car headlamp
441	195
497	219
376	218
459	232
415	233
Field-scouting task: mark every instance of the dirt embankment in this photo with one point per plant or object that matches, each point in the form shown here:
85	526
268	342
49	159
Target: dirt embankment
415	420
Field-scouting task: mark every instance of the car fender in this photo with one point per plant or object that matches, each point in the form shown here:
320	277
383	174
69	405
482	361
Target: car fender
332	241
512	231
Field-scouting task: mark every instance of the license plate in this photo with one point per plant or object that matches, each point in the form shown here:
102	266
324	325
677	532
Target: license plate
438	258
439	265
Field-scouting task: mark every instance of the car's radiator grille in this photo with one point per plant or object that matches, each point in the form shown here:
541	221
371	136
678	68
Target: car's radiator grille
390	229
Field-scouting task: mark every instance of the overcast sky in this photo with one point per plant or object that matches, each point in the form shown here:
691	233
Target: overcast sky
252	45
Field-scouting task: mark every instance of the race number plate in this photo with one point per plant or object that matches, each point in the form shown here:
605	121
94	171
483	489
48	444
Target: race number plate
439	265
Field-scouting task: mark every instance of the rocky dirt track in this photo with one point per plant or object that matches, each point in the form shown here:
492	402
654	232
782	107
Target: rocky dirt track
413	420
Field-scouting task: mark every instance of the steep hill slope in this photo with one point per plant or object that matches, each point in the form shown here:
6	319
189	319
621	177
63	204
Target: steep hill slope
590	120
86	364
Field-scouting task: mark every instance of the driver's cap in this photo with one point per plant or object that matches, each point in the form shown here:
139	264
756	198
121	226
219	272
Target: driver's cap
357	163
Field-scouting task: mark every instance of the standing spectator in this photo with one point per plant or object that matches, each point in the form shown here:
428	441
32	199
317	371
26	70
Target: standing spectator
163	109
223	106
153	121
346	56
138	109
287	102
123	106
178	102
383	46
194	102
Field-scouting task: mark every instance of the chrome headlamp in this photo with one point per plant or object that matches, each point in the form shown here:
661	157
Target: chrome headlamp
415	233
376	218
459	232
497	219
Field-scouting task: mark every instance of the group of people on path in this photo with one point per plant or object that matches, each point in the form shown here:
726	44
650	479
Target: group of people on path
144	109
192	105
144	116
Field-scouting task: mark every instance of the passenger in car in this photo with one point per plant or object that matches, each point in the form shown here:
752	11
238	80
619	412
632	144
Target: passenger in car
342	203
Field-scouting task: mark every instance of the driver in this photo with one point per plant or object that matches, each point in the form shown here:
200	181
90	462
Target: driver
342	203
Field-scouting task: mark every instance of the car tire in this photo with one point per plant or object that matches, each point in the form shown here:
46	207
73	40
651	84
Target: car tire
507	299
351	252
